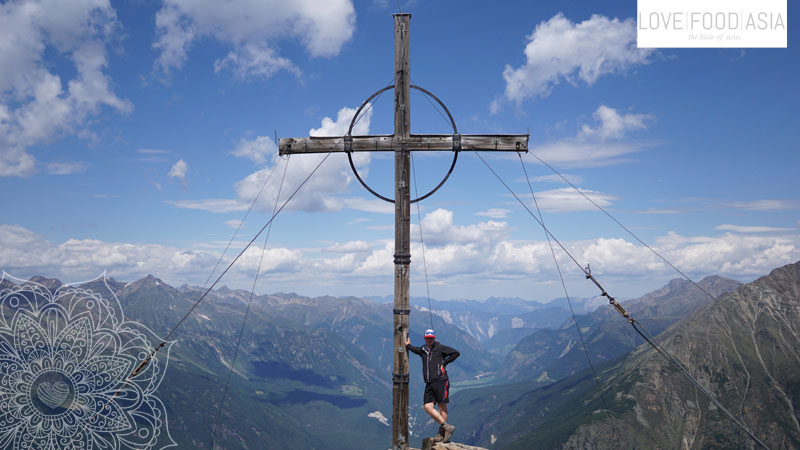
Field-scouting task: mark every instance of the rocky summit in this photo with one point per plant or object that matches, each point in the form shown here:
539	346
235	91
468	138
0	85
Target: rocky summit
428	444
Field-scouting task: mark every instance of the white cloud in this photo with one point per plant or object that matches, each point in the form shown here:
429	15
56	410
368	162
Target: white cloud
255	61
153	151
765	205
274	260
179	170
752	229
27	252
153	155
349	247
495	213
468	254
601	144
235	223
380	227
438	228
216	205
36	105
257	149
560	49
568	200
339	127
612	125
253	29
323	191
479	253
730	254
575	153
574	179
661	211
373	205
64	168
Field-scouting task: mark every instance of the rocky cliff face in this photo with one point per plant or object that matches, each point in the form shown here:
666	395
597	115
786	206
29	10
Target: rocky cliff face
744	348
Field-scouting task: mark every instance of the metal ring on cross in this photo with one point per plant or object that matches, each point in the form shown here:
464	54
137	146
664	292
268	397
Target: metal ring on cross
350	153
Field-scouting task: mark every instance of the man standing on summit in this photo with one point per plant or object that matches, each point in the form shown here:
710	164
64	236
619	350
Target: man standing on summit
435	357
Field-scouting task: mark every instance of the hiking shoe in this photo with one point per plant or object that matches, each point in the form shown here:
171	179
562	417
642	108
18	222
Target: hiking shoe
447	431
439	436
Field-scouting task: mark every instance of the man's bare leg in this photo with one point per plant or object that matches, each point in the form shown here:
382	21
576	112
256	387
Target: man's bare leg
434	413
445	430
443	411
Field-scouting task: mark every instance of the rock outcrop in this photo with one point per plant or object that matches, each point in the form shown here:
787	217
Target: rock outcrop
429	444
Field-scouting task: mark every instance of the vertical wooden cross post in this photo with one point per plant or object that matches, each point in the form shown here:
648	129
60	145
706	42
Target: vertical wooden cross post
401	143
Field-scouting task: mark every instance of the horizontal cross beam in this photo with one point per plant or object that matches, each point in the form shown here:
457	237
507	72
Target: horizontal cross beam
415	142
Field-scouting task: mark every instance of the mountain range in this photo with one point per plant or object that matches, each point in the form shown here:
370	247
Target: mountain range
522	381
742	347
557	353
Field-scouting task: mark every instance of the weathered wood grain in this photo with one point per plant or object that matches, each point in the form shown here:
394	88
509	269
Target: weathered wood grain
415	142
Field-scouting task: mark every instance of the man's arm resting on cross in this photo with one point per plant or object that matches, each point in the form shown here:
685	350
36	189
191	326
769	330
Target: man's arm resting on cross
412	348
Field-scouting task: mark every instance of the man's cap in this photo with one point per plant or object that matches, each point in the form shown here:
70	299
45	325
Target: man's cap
429	333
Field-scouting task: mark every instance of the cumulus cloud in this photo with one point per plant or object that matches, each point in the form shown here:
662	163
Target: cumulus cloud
26	252
257	150
601	143
483	252
731	253
255	61
324	190
253	29
274	260
36	104
613	125
559	49
178	171
464	253
438	228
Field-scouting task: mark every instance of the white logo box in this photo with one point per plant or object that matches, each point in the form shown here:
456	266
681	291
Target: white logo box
711	24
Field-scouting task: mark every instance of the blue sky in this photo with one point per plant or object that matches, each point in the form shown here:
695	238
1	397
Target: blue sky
134	135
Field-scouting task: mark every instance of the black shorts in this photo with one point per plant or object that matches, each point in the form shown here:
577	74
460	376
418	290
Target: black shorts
438	391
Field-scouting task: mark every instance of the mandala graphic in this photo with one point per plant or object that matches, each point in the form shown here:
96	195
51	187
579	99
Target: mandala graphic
65	359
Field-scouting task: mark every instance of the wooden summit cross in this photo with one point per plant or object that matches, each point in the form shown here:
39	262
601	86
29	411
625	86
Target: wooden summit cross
402	142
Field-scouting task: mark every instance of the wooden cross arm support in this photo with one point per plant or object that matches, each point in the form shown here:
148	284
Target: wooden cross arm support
415	142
